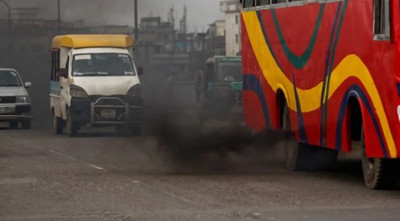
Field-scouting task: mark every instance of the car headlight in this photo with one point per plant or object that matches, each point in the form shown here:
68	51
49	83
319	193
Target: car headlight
78	92
135	91
22	99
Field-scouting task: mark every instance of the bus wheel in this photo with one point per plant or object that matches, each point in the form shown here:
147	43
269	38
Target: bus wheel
58	125
378	173
292	150
72	128
304	157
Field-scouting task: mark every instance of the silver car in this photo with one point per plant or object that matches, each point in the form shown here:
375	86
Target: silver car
15	103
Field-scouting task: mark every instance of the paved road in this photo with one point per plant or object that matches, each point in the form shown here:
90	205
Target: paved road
100	176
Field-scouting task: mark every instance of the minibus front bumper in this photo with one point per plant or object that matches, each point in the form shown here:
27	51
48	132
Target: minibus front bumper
107	110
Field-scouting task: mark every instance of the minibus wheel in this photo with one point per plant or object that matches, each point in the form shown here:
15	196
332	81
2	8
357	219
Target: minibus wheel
14	124
26	124
72	128
58	124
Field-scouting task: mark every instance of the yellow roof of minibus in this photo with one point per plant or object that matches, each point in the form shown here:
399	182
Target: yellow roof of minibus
92	41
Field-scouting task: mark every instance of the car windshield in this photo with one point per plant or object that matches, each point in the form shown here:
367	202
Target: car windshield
9	79
105	64
230	72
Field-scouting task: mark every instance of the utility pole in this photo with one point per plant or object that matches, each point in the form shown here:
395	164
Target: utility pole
135	2
10	40
9	18
59	16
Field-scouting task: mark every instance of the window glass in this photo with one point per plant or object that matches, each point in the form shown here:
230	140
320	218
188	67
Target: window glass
230	72
9	79
381	18
104	64
248	3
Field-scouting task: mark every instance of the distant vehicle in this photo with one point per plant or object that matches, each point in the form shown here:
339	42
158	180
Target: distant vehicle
220	95
15	103
94	82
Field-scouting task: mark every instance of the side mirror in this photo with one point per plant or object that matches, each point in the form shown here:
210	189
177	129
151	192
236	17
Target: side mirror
63	73
140	71
28	84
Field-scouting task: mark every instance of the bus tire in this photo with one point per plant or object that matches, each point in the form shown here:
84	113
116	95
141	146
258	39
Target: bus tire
58	125
304	157
72	127
378	173
293	153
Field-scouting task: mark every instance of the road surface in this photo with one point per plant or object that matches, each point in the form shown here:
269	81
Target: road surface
100	176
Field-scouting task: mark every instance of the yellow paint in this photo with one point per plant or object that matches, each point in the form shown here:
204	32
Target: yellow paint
90	41
350	66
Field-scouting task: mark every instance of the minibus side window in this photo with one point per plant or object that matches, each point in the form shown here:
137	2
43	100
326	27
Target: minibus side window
67	66
55	65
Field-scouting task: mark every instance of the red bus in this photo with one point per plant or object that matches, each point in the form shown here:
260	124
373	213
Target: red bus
328	70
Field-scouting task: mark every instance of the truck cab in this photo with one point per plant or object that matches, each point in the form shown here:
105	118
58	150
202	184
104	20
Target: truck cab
221	93
94	82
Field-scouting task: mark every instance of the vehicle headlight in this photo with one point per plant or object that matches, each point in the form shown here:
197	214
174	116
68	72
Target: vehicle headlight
22	99
78	92
135	91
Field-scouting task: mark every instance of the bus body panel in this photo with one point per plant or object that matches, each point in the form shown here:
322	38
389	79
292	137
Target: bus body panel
319	56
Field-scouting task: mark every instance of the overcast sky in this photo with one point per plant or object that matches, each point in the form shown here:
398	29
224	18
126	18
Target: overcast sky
97	12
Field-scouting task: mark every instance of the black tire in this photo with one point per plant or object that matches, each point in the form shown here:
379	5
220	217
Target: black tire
120	130
58	125
304	157
72	126
291	147
378	173
26	124
135	129
14	124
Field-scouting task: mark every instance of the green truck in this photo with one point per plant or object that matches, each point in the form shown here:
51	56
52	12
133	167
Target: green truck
219	90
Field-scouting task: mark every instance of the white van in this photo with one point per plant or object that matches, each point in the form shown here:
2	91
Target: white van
94	82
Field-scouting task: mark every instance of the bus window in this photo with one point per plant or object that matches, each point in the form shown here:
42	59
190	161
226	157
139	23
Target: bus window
381	20
249	3
278	1
263	2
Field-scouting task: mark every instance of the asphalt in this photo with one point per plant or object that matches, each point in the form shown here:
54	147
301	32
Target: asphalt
101	176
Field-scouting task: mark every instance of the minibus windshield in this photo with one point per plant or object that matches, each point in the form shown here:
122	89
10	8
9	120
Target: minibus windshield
102	64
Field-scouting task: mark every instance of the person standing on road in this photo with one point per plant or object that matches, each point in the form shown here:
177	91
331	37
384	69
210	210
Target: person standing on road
198	79
169	88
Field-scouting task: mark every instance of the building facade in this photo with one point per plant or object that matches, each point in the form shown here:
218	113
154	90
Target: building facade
231	8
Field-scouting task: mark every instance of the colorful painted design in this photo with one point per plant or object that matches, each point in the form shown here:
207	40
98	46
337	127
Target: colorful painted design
335	60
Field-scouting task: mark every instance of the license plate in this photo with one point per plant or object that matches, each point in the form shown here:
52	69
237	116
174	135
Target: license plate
108	114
